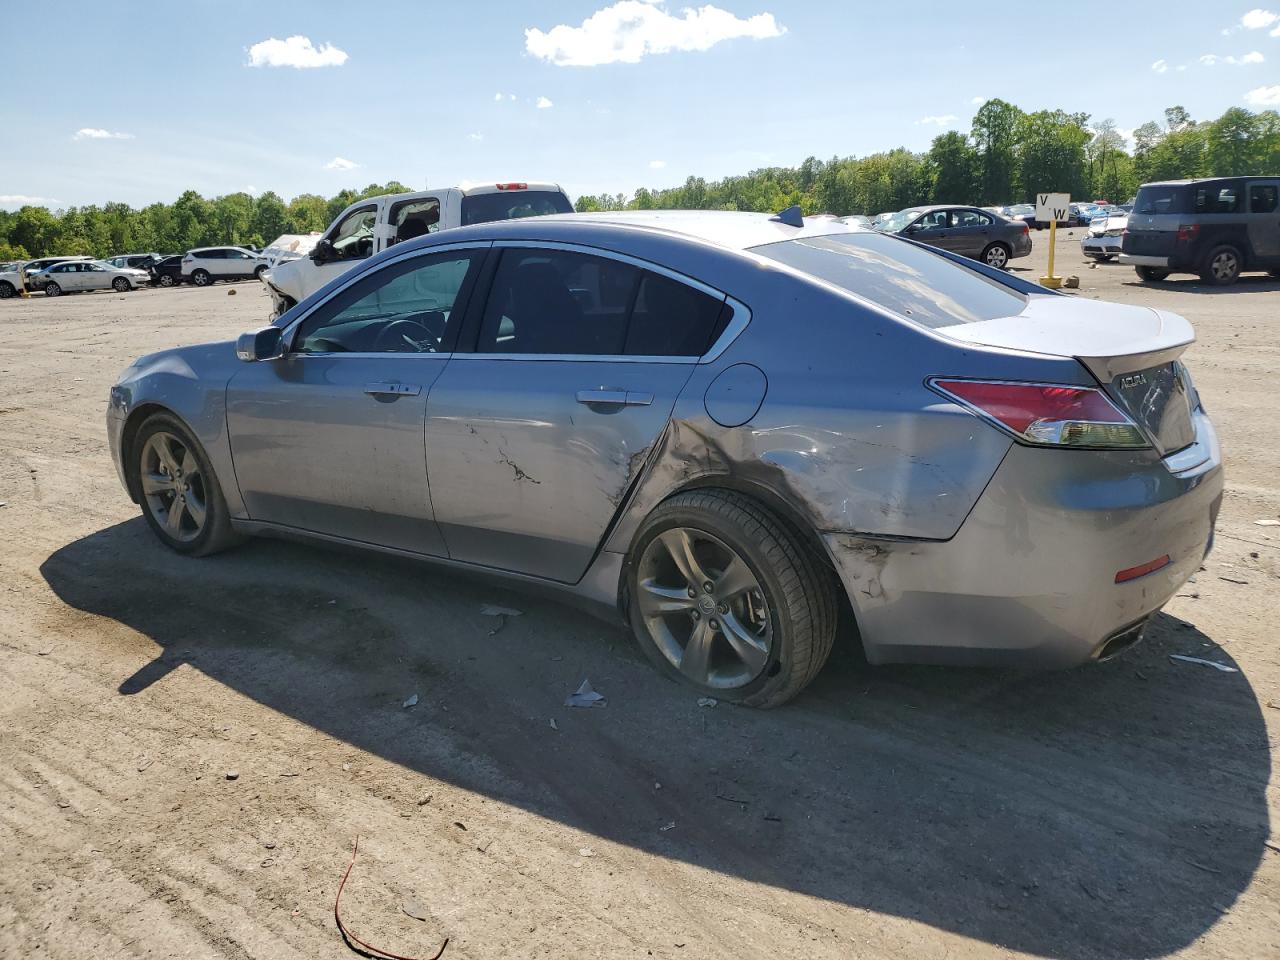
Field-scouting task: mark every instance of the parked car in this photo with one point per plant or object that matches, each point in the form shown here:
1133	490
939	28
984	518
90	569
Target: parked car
856	220
78	276
1217	227
372	225
34	268
1024	213
210	264
965	230
138	261
720	427
1103	239
167	271
10	279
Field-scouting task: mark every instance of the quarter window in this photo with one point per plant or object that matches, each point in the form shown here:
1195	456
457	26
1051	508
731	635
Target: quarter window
1262	197
407	307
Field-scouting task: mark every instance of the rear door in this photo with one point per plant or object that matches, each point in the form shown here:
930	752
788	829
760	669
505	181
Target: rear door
1264	221
534	439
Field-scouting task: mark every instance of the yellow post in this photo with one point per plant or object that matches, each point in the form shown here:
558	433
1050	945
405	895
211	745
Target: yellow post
1050	281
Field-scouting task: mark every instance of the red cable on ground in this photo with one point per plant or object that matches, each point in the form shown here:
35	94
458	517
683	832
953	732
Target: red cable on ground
378	952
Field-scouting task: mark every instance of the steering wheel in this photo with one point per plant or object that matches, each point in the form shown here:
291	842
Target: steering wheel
397	333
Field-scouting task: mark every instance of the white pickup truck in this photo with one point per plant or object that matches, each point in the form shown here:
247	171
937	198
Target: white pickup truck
371	226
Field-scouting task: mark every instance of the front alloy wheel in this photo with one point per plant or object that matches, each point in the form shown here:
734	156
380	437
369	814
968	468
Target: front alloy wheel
51	289
173	486
120	284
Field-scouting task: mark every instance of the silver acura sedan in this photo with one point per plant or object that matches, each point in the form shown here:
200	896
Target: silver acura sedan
724	428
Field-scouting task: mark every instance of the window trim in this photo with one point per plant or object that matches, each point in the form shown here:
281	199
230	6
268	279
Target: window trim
738	319
480	247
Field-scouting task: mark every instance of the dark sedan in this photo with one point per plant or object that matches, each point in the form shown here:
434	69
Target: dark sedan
967	231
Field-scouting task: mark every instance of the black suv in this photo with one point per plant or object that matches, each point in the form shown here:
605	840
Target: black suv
167	271
1217	227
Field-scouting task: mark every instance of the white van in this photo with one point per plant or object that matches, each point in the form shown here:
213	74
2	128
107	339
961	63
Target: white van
371	226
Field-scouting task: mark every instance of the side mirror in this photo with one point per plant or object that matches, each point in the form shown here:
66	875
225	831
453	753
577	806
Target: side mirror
914	228
265	343
322	251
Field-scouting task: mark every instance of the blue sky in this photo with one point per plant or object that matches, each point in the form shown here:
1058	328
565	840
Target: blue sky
138	103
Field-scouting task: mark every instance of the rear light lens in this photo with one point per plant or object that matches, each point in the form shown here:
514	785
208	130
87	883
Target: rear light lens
1047	414
1025	228
512	186
1188	232
1142	569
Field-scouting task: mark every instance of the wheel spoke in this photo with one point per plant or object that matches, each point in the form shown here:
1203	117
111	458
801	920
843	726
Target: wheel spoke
154	483
196	510
190	467
737	578
173	517
751	649
697	653
680	545
160	444
656	599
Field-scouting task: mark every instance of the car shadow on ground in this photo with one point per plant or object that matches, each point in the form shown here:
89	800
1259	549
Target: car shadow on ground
1115	810
1249	283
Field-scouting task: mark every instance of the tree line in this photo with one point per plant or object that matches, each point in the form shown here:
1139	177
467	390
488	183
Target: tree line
1006	157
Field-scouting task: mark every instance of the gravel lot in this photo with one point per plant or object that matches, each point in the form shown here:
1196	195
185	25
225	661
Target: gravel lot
1121	810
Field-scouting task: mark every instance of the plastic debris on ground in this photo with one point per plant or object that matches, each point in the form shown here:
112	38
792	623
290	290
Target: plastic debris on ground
493	610
1267	522
707	701
411	907
584	696
411	702
1208	663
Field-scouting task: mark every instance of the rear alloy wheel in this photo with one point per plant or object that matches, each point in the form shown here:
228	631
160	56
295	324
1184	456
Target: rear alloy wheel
1221	267
51	289
180	496
996	255
6	290
725	598
120	284
1151	274
166	280
201	278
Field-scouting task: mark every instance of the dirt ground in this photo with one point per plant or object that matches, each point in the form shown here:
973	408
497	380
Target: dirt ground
1120	810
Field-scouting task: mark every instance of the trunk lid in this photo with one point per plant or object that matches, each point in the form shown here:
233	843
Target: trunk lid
1132	351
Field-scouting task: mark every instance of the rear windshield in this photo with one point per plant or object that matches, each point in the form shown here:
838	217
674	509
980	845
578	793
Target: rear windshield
512	205
1160	199
900	276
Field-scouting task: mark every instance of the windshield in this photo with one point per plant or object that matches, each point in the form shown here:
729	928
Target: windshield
896	221
908	279
512	205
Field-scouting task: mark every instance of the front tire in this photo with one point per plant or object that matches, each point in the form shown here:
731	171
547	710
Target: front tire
996	255
201	278
120	285
179	493
166	280
258	271
51	289
724	597
1222	266
1151	274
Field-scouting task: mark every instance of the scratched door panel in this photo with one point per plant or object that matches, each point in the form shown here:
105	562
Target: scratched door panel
524	475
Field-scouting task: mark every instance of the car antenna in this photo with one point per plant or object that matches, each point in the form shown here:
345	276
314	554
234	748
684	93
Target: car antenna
793	216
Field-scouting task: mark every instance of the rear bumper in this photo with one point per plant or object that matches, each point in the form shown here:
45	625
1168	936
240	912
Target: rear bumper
1143	261
1029	579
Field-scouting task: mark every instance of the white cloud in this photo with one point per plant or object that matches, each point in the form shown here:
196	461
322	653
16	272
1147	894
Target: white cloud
544	103
477	137
503	96
340	163
1263	96
1209	59
657	164
1182	67
296	52
629	30
93	133
1257	19
979	101
16	200
1160	66
941	121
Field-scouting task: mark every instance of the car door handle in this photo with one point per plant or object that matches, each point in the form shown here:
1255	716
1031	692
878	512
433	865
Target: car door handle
392	389
615	398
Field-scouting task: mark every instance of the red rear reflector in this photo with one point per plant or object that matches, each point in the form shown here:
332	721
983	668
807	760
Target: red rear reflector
512	186
1151	566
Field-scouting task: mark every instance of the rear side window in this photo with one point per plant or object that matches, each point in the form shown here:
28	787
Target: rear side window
1159	199
899	276
553	302
512	205
1219	198
211	255
1263	198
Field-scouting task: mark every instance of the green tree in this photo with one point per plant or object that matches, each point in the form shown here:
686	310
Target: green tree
952	169
994	135
269	214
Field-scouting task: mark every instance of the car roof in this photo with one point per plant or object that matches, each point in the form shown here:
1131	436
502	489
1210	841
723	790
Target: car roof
729	229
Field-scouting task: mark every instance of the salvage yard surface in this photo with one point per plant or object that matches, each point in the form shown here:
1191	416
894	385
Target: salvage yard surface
190	747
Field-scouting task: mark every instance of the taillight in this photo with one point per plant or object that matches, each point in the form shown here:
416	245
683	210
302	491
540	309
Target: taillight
512	186
1188	232
1025	228
1047	414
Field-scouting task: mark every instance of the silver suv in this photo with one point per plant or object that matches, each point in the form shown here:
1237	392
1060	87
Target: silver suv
1217	228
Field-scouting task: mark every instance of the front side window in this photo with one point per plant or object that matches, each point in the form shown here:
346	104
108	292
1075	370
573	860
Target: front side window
352	239
1263	197
909	280
407	307
933	220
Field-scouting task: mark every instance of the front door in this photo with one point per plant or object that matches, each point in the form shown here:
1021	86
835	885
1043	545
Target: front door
934	228
970	232
329	438
534	439
1264	221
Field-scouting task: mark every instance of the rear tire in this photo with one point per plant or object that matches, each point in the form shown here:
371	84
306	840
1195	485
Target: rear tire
201	278
1151	274
791	599
179	493
6	290
996	255
51	289
166	280
1222	266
